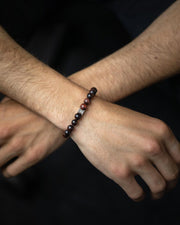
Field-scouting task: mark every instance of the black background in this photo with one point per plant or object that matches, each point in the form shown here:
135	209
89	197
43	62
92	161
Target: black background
65	188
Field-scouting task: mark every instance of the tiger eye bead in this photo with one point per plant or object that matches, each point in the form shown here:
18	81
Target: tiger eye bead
74	122
94	90
70	128
89	95
83	106
87	101
77	116
92	93
66	133
81	111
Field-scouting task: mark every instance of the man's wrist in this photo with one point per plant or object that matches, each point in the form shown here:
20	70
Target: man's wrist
66	104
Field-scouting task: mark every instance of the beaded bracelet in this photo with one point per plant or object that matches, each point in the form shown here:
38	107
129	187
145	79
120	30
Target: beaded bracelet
80	112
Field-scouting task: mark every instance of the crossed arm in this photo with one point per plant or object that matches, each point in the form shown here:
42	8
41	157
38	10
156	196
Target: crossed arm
119	142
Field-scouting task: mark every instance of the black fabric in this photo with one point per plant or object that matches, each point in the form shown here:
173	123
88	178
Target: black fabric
65	188
136	15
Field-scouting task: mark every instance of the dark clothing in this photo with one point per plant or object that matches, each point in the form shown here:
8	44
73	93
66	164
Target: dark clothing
65	188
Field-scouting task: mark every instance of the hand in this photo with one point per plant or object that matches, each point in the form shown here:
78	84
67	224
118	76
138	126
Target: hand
26	136
123	143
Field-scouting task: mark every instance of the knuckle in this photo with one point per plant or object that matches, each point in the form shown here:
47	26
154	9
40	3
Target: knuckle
138	161
120	172
153	147
162	128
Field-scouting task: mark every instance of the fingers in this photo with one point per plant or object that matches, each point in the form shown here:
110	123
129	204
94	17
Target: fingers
169	140
126	180
166	166
132	188
152	178
22	163
27	159
173	146
18	166
7	152
164	158
171	185
11	149
158	179
5	99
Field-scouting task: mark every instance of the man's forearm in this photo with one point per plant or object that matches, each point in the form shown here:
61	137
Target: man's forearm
151	57
35	85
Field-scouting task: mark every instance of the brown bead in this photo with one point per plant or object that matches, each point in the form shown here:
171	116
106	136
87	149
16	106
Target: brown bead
89	96
70	128
74	122
83	106
87	101
92	93
94	90
77	116
66	133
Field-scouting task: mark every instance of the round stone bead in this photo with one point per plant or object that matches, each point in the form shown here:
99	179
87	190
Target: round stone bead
89	95
92	92
83	106
87	101
74	122
66	133
77	116
70	128
94	89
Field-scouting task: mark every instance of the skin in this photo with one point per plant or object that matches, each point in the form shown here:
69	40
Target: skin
144	142
25	135
142	145
151	57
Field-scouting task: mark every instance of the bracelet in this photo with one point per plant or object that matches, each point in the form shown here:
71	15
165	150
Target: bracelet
80	113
